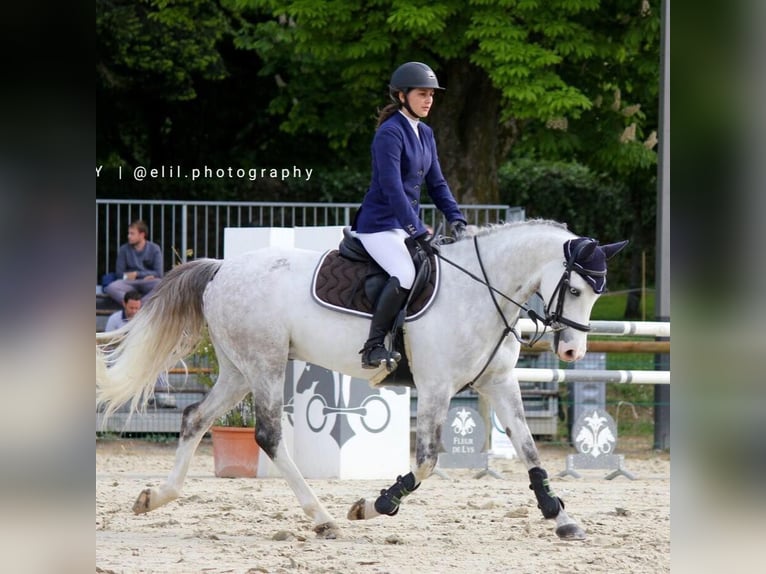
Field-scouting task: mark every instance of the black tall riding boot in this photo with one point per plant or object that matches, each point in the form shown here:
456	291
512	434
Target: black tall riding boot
390	301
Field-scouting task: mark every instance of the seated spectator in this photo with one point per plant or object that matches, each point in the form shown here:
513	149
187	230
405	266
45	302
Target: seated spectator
139	264
131	305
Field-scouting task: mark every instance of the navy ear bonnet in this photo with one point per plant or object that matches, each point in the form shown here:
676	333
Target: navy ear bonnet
588	258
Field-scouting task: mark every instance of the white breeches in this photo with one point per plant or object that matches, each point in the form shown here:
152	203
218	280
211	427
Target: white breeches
387	248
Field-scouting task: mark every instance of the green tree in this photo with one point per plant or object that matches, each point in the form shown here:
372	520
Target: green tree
507	65
590	203
617	134
172	88
148	57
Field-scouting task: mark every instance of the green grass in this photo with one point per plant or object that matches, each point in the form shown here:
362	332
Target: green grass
611	307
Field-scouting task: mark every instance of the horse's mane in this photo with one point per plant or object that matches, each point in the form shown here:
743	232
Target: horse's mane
487	229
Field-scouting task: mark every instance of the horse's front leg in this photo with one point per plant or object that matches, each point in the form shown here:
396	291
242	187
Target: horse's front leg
432	412
505	397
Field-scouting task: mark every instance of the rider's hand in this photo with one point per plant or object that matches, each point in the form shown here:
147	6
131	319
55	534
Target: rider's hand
457	228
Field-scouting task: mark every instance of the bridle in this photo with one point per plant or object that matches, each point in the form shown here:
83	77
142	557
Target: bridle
554	320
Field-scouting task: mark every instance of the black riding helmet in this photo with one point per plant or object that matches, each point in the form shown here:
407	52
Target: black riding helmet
409	76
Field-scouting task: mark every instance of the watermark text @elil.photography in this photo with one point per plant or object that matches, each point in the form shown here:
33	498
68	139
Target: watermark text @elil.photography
142	173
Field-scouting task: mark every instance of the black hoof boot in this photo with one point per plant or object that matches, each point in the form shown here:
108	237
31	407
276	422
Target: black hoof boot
389	500
547	501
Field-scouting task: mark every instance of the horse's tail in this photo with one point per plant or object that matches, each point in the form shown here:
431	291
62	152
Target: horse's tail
165	330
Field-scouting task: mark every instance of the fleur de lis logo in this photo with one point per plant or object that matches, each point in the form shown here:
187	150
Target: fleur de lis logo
463	423
595	438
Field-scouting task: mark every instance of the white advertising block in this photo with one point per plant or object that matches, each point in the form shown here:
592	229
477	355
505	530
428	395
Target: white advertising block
318	238
238	240
346	429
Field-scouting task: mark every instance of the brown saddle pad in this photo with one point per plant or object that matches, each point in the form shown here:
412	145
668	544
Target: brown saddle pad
339	284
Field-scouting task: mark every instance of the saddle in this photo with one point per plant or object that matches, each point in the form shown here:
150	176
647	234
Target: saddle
347	279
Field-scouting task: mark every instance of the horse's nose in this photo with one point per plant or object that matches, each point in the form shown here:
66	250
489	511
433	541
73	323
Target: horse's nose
570	354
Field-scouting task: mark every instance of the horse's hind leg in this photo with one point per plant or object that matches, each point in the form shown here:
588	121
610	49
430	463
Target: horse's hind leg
505	397
268	401
230	388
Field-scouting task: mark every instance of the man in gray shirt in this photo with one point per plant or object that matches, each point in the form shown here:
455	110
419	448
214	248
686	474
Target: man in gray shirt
139	264
131	304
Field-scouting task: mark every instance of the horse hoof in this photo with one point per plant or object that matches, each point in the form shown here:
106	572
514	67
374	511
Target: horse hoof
328	531
357	510
570	532
142	504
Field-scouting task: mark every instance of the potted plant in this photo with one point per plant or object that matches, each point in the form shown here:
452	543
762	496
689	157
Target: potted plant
235	452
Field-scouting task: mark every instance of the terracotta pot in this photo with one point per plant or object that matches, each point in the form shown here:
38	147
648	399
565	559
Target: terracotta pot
235	452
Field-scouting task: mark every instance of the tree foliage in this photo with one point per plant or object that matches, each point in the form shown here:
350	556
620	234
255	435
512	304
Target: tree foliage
575	78
505	64
549	71
159	47
590	203
173	89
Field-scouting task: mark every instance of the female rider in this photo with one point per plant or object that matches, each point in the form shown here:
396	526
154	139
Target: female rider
403	159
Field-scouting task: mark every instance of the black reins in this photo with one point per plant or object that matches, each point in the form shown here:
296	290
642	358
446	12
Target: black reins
554	320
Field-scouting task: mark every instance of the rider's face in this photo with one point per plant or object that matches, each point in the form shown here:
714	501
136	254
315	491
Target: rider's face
420	100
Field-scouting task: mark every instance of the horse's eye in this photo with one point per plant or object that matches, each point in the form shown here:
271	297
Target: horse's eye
574	291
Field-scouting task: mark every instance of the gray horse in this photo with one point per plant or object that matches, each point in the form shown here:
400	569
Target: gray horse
260	313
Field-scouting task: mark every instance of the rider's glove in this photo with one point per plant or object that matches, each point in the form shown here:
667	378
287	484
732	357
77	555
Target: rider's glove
457	228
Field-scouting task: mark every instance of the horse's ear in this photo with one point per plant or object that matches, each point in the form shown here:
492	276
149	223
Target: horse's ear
613	248
587	249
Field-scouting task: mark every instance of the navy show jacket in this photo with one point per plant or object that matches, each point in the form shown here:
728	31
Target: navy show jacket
401	164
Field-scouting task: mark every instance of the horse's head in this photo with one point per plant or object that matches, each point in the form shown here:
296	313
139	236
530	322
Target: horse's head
570	294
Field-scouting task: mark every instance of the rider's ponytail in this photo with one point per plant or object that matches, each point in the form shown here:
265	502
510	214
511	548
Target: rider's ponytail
386	113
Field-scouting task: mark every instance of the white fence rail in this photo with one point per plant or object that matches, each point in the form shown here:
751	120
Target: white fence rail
638	328
594	376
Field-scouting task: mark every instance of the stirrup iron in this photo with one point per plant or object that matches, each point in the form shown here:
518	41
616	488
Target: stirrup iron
381	355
